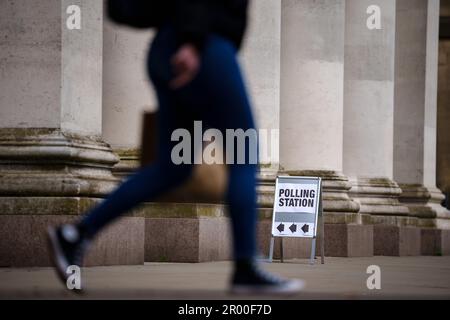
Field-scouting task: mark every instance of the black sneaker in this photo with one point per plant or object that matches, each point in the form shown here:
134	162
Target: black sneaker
66	247
248	278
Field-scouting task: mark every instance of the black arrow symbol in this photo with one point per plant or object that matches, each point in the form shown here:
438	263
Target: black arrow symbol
281	227
293	228
305	228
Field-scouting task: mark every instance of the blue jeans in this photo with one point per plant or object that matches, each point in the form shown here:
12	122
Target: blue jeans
217	97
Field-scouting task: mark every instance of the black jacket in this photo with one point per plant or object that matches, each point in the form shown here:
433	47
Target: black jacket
193	19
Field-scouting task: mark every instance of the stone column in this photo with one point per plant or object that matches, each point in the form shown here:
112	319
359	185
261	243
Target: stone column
260	57
311	135
443	136
127	91
53	163
415	119
369	121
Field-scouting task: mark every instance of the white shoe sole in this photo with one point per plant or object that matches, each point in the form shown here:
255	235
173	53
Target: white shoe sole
291	287
56	257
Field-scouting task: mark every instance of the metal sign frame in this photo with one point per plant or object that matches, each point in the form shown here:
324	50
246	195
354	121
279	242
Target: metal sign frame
319	224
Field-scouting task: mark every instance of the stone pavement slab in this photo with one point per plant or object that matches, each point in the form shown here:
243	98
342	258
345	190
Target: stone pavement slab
339	278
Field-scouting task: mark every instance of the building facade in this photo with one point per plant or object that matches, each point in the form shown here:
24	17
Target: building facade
349	87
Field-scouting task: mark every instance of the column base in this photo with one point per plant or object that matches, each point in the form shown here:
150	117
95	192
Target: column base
51	163
377	197
49	177
129	162
338	207
424	203
266	186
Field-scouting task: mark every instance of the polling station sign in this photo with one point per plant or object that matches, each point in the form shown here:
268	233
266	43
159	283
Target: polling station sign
296	207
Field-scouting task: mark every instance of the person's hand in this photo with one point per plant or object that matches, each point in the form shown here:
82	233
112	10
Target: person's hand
186	63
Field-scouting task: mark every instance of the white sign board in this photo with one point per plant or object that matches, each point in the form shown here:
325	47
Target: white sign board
296	207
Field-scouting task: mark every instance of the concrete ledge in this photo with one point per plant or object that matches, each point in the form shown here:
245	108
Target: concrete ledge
23	241
435	242
187	239
201	232
186	232
348	240
397	241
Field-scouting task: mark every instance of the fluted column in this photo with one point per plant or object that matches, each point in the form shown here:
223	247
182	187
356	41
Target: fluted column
311	136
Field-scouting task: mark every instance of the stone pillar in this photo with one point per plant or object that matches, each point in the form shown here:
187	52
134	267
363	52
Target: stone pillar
443	136
261	66
369	120
311	135
127	91
260	58
415	119
53	162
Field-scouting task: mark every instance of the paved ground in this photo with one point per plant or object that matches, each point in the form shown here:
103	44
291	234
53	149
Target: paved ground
339	278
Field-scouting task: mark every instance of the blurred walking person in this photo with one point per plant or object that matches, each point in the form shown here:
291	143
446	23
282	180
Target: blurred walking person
194	69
